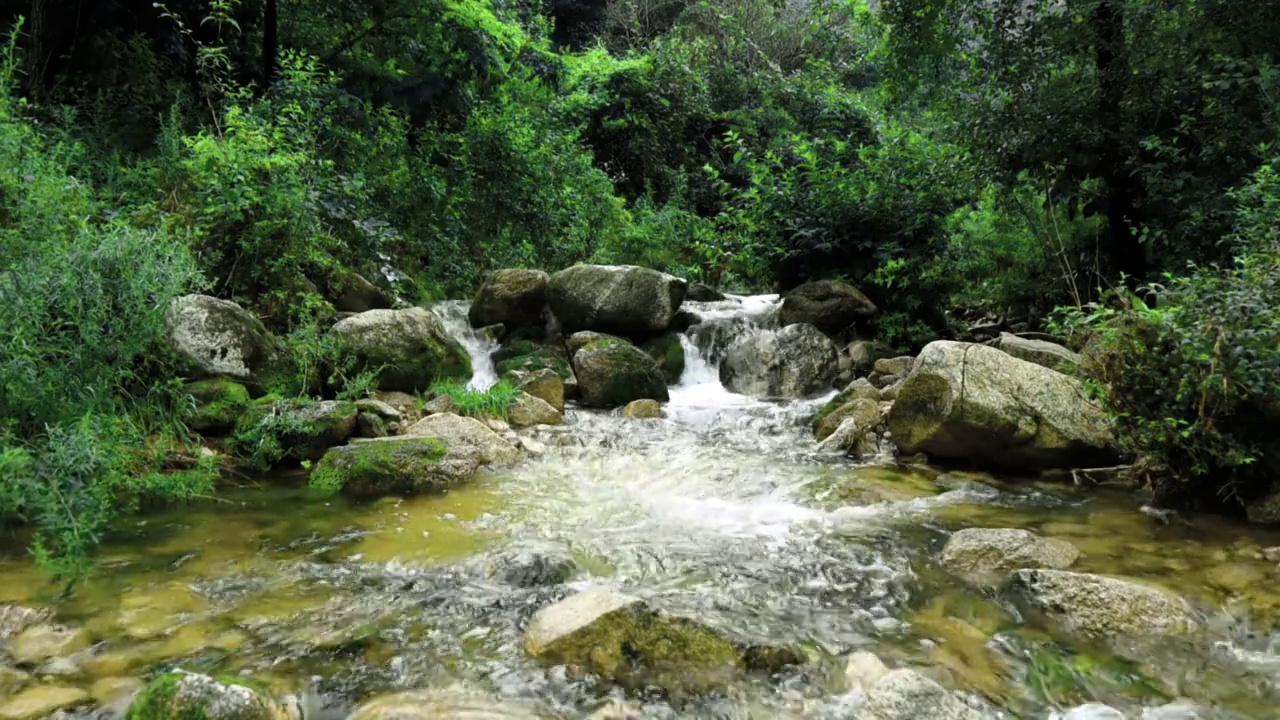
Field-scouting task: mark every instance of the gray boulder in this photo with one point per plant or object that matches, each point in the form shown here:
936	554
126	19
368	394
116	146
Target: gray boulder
1040	352
218	338
907	695
829	305
985	556
466	436
795	361
352	293
622	299
1099	607
978	404
409	348
515	298
613	372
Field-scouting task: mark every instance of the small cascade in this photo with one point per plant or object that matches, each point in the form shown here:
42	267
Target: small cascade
453	315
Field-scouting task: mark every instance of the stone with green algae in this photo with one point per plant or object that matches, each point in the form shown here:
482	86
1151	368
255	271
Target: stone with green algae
180	695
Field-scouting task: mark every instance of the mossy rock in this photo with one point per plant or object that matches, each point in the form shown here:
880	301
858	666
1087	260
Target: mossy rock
859	388
612	374
219	403
620	638
527	355
667	351
393	466
272	430
409	348
188	696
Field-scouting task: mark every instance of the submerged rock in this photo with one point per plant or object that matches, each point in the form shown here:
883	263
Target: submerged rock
218	338
447	704
41	701
1040	352
976	403
409	348
829	305
907	695
1100	608
542	383
643	410
180	695
40	643
14	619
531	566
527	411
796	361
612	373
667	351
619	637
623	299
393	466
515	298
986	556
464	435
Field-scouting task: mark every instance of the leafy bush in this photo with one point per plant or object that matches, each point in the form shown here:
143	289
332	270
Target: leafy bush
492	403
1191	374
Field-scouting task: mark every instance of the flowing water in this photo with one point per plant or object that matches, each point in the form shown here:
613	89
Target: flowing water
724	511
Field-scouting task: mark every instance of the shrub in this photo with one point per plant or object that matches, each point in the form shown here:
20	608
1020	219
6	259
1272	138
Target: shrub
495	402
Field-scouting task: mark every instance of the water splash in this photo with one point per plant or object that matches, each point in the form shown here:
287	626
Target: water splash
480	346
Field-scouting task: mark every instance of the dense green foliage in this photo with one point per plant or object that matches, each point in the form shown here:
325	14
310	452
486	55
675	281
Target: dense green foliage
950	158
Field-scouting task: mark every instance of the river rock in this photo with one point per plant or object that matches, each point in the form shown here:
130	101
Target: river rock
219	402
113	691
985	556
393	466
1264	510
1176	710
303	429
531	566
541	383
860	388
527	411
623	299
898	367
977	404
181	694
40	643
1040	352
699	292
612	373
667	351
1099	607
381	409
352	293
516	298
618	637
218	338
795	361
14	619
409	348
1090	711
861	355
862	671
466	435
851	438
907	695
526	355
442	704
643	410
41	701
829	305
864	412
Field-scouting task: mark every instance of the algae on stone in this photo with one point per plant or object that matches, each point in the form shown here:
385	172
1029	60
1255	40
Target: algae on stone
405	465
219	404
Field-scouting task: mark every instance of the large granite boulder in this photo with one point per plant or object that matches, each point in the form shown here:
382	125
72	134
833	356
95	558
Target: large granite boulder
623	299
795	361
829	305
1040	352
218	338
980	405
612	372
409	348
514	298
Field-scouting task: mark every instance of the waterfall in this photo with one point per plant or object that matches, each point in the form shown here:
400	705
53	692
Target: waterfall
453	315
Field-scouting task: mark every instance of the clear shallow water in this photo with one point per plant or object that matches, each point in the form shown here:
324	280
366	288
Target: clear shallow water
725	510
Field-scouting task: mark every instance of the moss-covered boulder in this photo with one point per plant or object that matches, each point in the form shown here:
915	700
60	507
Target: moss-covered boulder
181	695
409	348
976	404
218	338
579	340
612	373
541	383
392	466
864	413
1041	352
623	299
667	351
527	411
526	355
619	637
858	389
468	436
829	305
515	298
351	293
272	429
219	402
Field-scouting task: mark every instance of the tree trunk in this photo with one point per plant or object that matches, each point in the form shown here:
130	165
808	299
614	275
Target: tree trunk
1127	254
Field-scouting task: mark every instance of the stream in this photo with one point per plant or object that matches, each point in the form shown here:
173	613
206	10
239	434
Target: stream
724	511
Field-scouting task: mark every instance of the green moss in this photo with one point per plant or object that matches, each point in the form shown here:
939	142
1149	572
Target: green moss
271	432
400	466
155	701
834	404
667	351
219	403
530	357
